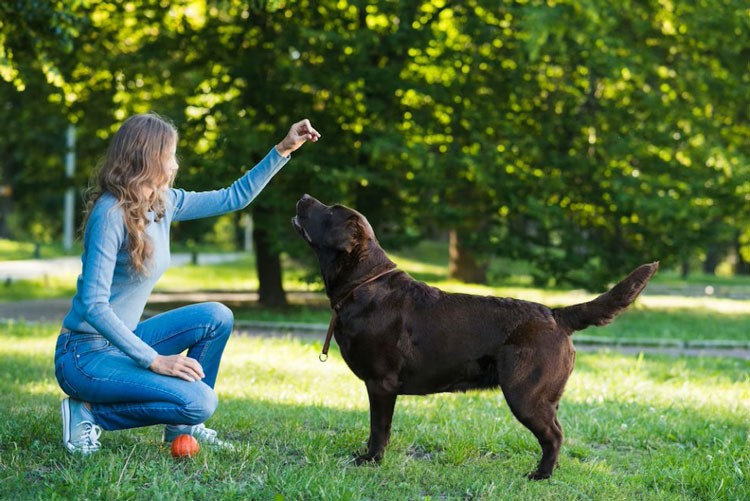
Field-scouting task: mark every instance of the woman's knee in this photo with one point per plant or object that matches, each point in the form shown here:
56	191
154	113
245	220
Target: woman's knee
201	406
221	317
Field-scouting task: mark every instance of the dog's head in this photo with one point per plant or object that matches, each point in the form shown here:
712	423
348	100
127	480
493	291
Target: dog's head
343	241
332	229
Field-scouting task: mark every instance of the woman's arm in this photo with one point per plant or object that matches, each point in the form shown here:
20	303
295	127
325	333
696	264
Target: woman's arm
105	235
194	205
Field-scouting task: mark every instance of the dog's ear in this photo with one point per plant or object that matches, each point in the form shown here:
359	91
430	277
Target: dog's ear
353	234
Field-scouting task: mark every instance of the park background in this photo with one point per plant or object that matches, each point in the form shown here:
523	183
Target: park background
581	138
526	148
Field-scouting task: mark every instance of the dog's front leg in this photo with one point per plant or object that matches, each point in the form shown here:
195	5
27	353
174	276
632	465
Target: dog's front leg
382	403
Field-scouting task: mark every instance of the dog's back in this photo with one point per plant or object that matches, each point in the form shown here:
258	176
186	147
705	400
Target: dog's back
451	341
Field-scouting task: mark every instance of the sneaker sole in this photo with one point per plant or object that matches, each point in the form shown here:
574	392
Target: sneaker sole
65	409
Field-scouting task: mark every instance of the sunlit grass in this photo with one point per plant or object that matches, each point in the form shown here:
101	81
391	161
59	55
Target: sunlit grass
13	249
636	428
708	304
48	287
232	276
420	267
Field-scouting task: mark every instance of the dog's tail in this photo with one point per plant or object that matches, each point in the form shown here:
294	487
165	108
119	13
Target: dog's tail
605	308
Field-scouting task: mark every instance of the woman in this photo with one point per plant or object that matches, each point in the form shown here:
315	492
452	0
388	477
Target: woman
120	372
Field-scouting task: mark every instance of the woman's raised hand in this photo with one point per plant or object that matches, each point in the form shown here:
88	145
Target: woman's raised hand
298	134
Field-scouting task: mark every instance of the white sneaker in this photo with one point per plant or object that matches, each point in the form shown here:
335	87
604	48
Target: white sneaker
80	434
202	434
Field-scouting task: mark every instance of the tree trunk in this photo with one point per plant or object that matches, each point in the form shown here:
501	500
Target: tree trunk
742	267
685	268
713	257
464	265
268	265
6	192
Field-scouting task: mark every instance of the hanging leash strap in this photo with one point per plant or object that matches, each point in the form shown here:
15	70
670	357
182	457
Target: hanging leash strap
334	316
331	325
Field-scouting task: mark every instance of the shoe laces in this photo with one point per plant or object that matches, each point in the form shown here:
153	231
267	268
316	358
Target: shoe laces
88	439
209	436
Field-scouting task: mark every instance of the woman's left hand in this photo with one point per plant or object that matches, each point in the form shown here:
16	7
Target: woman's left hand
298	134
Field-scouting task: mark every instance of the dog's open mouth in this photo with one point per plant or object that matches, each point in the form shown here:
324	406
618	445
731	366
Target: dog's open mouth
298	226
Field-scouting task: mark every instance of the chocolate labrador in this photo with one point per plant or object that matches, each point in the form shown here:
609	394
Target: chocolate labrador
403	337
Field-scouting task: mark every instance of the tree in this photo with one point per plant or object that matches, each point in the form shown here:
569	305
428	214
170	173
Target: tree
579	136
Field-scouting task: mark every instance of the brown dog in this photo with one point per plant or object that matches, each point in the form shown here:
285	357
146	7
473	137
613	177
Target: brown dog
403	337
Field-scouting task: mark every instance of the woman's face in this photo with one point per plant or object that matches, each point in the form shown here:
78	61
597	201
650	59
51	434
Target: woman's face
171	166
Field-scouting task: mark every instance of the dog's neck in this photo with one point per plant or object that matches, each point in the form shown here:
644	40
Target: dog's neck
340	302
360	268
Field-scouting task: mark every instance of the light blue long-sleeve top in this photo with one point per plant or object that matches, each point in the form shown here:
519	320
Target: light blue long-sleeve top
110	296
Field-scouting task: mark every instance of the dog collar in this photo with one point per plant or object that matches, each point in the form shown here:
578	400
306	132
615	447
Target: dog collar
334	316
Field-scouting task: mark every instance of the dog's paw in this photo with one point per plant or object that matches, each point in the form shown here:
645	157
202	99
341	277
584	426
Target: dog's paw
538	475
360	459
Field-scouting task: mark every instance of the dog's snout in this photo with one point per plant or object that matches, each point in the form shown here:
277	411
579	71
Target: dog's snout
306	202
303	202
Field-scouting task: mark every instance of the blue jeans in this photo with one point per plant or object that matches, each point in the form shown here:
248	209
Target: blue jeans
123	394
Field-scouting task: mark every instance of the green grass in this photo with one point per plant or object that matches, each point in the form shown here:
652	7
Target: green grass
677	324
42	288
233	276
13	250
636	428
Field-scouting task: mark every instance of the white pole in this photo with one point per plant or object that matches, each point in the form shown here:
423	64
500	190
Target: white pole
70	168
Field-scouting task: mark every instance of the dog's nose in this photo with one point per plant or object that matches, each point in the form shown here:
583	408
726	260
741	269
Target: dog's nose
307	200
304	202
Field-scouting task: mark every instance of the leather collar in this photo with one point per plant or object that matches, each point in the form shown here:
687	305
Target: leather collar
336	307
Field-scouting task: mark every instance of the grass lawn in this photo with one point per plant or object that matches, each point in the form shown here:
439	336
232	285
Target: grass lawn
636	428
12	249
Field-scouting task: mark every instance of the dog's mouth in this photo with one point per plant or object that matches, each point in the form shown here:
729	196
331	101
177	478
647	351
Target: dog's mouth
300	229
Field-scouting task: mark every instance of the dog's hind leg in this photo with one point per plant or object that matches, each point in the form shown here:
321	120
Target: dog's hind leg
533	382
382	403
540	416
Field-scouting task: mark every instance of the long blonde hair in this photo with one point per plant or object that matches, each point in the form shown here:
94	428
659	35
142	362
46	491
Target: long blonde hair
134	166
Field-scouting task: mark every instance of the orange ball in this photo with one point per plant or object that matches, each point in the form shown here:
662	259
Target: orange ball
185	446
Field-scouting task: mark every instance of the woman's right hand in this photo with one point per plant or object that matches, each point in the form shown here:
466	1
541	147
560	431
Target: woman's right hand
298	134
179	366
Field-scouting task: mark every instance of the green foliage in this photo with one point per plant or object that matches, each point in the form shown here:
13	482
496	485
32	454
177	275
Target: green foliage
34	36
582	136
